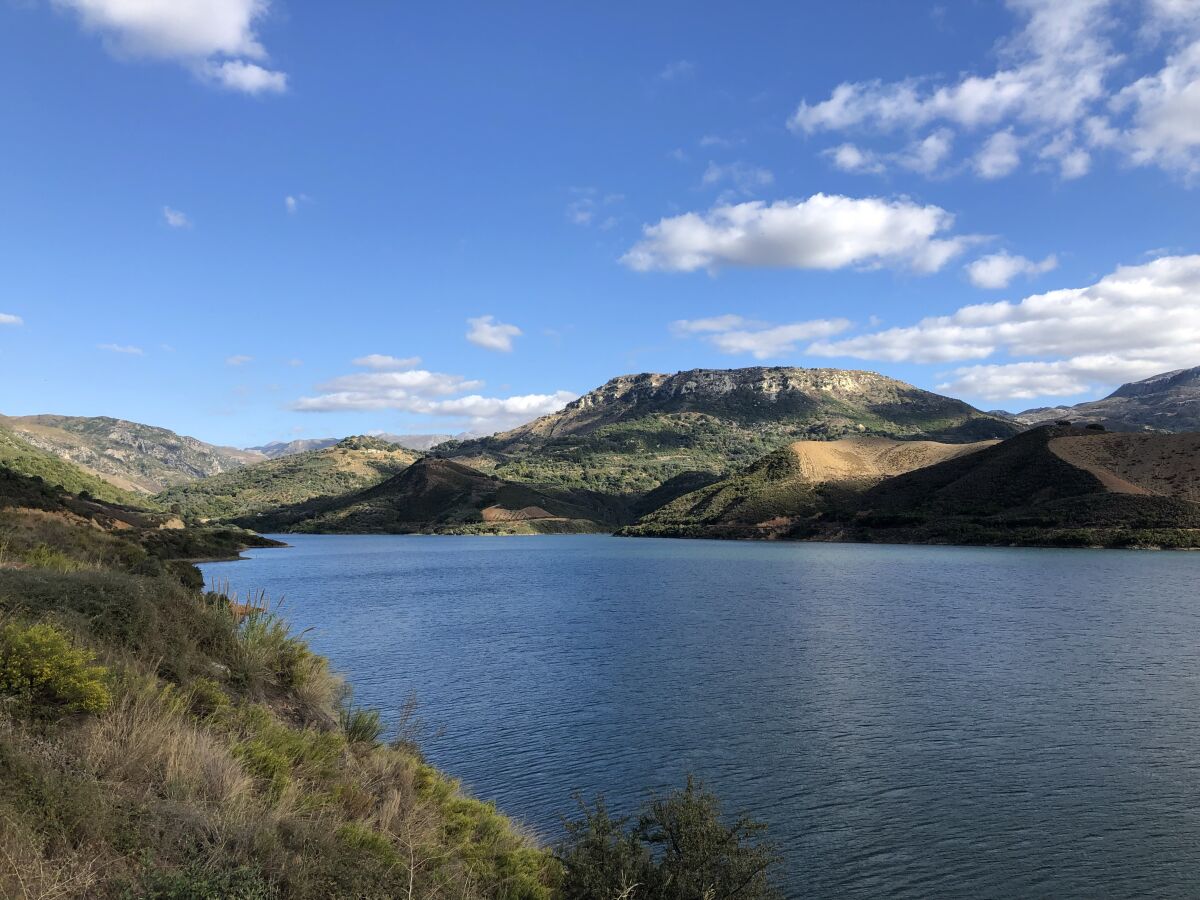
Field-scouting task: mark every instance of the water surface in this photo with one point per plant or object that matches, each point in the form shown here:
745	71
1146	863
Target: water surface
911	721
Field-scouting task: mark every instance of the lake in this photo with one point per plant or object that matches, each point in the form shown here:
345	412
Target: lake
910	721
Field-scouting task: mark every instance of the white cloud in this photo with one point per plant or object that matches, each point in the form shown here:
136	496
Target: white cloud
745	179
997	270
408	390
587	202
10	319
927	154
735	335
1054	91
432	394
486	415
381	362
175	218
677	71
999	156
238	360
486	332
213	38
852	158
1136	322
121	348
822	232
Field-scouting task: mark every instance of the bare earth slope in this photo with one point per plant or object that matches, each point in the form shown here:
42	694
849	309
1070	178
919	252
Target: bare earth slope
797	482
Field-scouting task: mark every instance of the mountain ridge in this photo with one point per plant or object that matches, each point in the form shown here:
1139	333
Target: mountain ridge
1167	402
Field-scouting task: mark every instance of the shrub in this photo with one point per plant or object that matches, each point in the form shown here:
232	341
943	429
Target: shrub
44	557
361	726
678	850
47	674
194	882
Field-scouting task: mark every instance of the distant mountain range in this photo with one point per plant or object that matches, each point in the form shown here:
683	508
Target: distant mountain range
1169	403
276	449
760	452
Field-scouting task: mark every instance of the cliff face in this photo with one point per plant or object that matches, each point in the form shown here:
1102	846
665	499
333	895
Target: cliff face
131	455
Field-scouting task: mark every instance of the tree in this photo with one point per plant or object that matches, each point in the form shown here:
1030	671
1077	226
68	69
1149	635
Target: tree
679	849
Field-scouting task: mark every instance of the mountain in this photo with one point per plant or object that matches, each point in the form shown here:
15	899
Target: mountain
135	457
796	482
1169	403
1056	484
349	466
416	441
636	432
421	442
276	449
441	495
22	458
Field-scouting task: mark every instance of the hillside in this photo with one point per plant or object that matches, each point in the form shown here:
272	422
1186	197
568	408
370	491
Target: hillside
794	483
134	457
276	449
21	457
350	466
443	496
159	741
638	431
1169	403
1053	485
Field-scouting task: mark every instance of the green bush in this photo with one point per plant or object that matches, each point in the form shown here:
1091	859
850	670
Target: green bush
194	882
44	557
361	726
47	675
679	849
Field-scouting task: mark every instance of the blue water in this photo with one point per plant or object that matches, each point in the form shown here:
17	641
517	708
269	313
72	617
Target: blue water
910	721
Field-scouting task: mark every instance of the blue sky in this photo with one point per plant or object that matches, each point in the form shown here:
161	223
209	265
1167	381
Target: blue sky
251	221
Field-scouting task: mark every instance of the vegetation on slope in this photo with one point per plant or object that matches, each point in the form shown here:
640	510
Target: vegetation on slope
636	432
20	456
141	458
350	466
444	496
157	741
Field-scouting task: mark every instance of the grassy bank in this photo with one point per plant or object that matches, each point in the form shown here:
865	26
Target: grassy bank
160	741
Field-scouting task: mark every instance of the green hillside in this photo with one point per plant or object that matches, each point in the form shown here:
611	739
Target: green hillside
19	456
444	496
350	466
636	432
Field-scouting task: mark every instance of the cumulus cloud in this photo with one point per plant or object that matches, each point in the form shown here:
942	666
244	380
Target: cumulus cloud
1136	322
486	332
1055	90
735	335
822	232
486	415
426	393
175	218
382	362
998	269
127	349
238	360
408	390
10	319
852	158
292	202
215	39
999	156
